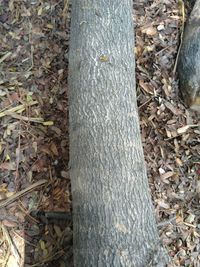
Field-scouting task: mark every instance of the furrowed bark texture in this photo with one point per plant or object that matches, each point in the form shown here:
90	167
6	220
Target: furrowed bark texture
188	67
112	211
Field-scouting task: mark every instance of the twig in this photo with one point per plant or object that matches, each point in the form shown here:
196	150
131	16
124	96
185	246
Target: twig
24	118
19	108
18	158
12	245
24	240
65	10
145	103
23	192
32	47
181	37
5	57
164	223
4	264
23	209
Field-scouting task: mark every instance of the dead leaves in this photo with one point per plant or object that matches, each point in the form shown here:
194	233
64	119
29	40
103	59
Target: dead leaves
149	30
33	110
10	166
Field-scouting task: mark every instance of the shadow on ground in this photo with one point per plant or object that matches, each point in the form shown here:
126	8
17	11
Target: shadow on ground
51	240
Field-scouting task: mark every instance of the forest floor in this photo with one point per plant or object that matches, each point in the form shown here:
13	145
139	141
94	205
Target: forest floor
34	132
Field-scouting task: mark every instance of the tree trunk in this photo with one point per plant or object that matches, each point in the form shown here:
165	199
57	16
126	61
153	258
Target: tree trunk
114	224
188	67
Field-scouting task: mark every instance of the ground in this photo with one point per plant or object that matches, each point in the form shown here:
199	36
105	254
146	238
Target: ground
34	132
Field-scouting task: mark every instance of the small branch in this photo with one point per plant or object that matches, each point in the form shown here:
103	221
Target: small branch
24	118
167	222
18	109
12	245
23	192
181	37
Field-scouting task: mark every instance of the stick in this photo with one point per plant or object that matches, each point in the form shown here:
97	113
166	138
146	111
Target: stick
21	193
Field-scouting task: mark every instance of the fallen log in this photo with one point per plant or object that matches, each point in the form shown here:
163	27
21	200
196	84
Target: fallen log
113	218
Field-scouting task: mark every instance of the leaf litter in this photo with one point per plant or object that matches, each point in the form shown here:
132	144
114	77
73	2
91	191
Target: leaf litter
34	134
34	131
170	133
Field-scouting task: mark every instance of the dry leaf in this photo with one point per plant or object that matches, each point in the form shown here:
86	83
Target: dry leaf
145	86
183	129
8	166
9	223
166	175
54	149
149	31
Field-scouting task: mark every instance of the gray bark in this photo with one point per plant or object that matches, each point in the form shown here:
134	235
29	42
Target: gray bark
188	67
114	224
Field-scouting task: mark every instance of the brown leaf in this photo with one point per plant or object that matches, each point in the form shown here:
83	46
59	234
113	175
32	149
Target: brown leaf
40	165
9	223
10	166
145	86
54	149
149	30
166	176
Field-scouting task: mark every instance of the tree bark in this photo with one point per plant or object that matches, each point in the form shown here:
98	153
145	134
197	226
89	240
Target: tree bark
188	67
113	220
